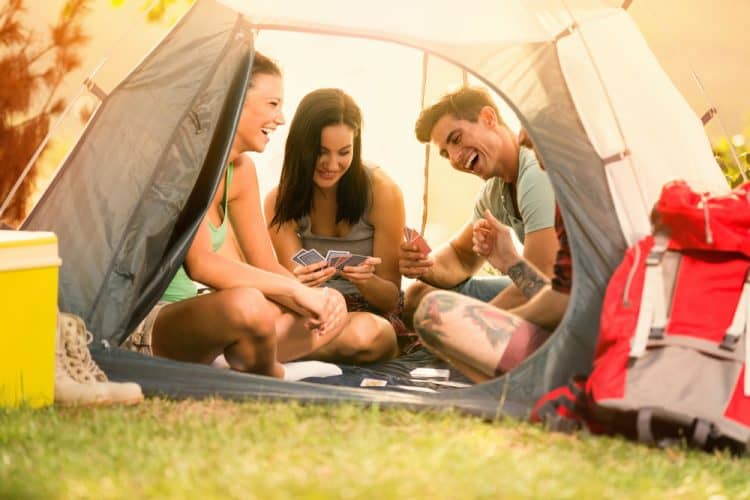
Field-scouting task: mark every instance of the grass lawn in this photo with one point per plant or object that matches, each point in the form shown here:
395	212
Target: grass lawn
262	450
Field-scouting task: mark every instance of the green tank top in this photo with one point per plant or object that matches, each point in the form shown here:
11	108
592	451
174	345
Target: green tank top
182	287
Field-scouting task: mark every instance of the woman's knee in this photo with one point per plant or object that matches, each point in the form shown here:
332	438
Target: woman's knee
369	338
247	310
414	294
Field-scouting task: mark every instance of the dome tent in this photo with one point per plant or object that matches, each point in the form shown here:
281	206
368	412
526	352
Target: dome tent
607	122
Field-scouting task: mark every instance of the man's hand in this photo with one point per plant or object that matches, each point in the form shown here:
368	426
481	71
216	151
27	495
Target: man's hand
493	240
411	262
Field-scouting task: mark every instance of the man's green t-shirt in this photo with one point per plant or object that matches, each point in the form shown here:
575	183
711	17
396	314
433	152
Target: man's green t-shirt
536	200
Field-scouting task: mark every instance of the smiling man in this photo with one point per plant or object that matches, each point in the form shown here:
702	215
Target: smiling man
467	128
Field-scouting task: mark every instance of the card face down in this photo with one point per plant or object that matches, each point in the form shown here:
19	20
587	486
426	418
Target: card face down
333	257
422	245
412	236
309	257
353	260
296	256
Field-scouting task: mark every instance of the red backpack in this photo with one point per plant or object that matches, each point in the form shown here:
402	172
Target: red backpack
675	331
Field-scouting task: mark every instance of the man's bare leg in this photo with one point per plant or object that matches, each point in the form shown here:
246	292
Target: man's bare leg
469	333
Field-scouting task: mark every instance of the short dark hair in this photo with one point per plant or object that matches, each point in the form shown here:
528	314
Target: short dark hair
317	110
263	65
464	104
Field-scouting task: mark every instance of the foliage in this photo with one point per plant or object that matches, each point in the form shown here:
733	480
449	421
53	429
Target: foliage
32	68
157	9
726	160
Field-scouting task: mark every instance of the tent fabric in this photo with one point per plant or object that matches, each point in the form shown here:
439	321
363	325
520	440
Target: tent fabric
646	117
129	196
561	66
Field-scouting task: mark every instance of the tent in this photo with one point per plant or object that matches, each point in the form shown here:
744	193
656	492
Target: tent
608	124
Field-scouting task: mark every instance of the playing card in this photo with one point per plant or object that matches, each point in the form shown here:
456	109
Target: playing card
408	234
311	257
353	260
421	244
333	256
338	263
373	382
428	372
296	256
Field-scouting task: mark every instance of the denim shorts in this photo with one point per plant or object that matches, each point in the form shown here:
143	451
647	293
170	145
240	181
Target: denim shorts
483	288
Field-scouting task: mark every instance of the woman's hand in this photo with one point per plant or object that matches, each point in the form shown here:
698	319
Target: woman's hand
327	309
314	275
361	273
492	240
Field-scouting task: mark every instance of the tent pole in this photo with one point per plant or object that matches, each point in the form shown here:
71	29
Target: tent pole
426	188
736	158
38	151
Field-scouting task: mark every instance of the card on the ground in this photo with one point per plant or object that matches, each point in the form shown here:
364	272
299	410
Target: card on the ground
427	372
353	260
373	382
311	257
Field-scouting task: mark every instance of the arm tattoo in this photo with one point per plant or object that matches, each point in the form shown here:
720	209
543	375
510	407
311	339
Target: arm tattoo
527	279
498	325
428	319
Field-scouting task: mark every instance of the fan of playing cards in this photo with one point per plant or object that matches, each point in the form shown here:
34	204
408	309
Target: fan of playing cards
412	236
335	258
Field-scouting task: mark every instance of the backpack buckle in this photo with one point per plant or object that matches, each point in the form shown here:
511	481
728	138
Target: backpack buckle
729	342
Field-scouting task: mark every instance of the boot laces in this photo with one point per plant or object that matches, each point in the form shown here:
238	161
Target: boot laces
76	355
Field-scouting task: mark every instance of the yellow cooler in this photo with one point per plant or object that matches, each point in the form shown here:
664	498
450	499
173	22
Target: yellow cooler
28	317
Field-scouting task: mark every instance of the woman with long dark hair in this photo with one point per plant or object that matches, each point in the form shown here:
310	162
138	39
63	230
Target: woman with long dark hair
329	199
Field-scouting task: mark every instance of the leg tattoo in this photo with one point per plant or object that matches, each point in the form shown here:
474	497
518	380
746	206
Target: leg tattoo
497	325
428	320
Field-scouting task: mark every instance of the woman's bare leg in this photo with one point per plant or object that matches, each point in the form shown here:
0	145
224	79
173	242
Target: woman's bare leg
366	339
295	340
239	323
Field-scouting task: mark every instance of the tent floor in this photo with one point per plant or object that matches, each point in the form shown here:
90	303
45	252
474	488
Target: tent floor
161	377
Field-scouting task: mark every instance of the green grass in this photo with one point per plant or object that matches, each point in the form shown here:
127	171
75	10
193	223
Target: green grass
261	450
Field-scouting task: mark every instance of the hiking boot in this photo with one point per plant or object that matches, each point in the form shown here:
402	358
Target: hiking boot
68	392
77	360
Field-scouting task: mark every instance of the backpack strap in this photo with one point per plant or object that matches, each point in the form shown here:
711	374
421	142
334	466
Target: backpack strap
652	315
740	323
643	425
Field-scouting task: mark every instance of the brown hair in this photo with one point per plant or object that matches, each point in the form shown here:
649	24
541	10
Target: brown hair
318	110
263	65
464	104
